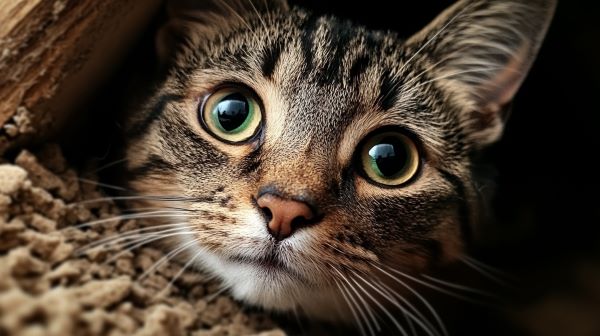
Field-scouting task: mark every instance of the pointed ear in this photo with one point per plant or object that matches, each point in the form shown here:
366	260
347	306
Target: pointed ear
193	20
480	51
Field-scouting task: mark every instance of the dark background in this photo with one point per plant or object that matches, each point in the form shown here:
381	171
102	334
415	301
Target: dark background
547	220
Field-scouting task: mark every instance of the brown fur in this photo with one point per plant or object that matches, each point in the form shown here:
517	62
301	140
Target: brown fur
325	85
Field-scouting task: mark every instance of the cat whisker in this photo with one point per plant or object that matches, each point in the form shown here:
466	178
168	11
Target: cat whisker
416	294
342	290
432	38
146	240
114	239
489	272
267	11
108	165
385	310
100	184
142	238
142	209
411	325
458	286
142	215
261	21
166	258
418	76
371	317
231	10
214	295
421	320
442	290
365	303
449	75
179	273
356	304
410	311
390	295
462	72
138	197
296	314
431	67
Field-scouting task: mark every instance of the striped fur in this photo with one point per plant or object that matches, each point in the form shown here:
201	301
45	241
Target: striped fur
325	84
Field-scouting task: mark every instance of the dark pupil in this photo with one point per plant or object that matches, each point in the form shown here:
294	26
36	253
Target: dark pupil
232	111
390	156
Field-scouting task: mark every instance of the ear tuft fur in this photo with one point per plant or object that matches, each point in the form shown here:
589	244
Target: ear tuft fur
482	51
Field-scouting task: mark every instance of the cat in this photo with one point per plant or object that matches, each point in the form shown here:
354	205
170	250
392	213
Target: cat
316	166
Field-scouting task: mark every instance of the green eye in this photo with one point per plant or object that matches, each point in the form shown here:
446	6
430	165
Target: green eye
390	158
231	114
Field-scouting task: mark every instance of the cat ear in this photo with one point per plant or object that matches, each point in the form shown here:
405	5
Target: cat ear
480	52
194	20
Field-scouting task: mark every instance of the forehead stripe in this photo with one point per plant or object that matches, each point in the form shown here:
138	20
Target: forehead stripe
271	58
389	90
307	40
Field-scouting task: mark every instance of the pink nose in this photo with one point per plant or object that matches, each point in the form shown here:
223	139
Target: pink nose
284	215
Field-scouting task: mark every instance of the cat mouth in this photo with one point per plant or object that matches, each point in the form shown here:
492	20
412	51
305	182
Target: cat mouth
269	264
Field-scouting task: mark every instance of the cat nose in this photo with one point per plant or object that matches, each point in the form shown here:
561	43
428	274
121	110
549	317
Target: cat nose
284	215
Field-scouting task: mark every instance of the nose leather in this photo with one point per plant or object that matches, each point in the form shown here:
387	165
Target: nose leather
284	215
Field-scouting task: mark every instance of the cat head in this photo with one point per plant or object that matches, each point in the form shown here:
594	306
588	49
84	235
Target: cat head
306	153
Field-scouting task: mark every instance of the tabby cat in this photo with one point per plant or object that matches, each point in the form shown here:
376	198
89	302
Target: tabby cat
315	166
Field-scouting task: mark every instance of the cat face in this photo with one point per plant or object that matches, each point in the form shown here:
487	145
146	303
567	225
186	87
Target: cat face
308	153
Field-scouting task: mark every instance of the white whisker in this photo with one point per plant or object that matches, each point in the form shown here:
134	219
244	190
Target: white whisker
411	325
103	185
485	273
108	165
150	214
444	27
357	305
457	286
489	269
166	258
137	197
114	239
419	75
187	264
385	310
449	75
241	18
441	290
142	209
262	22
415	315
384	291
215	294
362	300
344	295
419	296
144	241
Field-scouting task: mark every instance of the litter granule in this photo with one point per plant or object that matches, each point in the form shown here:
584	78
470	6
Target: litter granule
46	288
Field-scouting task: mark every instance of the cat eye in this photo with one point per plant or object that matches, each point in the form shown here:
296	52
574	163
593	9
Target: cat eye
231	114
389	158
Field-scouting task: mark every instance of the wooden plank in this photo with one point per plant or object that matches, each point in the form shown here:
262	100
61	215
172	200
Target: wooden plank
53	54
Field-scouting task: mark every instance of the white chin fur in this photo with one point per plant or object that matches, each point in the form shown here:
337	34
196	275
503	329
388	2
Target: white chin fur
272	289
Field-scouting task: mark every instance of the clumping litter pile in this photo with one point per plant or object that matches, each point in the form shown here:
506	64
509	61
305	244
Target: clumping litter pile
46	288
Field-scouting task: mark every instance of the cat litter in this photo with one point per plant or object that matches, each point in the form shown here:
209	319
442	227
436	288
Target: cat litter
46	288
